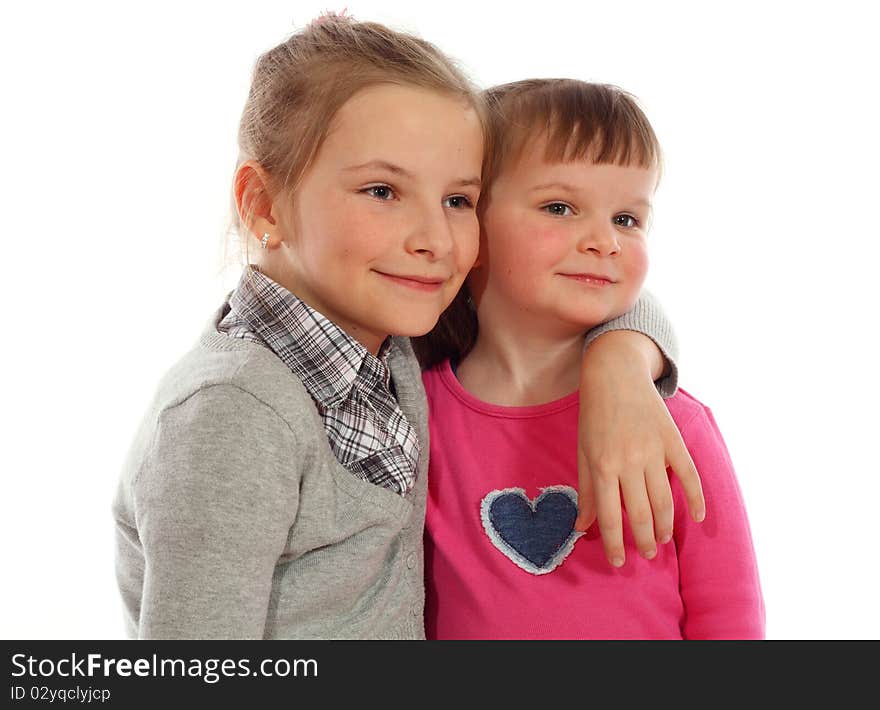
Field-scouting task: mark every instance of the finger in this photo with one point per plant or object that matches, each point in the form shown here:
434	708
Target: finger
606	493
662	506
586	503
638	511
679	460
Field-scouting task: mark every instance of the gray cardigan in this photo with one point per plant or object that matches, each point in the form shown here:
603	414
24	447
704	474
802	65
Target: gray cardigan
250	526
235	520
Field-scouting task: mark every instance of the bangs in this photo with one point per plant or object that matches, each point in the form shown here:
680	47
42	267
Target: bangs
579	120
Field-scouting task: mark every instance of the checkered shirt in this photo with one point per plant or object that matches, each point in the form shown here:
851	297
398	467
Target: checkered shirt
352	388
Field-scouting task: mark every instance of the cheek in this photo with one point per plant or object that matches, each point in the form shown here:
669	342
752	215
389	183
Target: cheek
355	230
636	264
317	239
635	268
528	250
467	243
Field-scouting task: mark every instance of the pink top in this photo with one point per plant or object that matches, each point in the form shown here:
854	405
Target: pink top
500	564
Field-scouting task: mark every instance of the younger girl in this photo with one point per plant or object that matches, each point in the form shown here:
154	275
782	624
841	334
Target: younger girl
564	212
276	487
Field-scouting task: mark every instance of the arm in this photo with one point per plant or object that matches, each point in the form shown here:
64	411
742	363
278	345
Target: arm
214	505
720	587
659	345
627	437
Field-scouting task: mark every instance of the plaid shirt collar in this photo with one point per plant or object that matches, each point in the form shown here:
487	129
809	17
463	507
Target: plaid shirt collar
326	358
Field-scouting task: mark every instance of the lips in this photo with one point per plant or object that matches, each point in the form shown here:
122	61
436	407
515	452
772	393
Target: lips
589	277
416	281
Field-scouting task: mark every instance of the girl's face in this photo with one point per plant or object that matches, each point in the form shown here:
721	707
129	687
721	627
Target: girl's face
564	243
382	230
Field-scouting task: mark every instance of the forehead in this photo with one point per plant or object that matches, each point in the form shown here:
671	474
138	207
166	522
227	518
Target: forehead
398	121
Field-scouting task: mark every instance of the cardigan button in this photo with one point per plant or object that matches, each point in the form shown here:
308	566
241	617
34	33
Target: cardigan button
411	560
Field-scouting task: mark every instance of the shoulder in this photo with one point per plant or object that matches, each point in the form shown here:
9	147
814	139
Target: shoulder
699	430
230	379
227	415
220	426
703	439
687	410
225	395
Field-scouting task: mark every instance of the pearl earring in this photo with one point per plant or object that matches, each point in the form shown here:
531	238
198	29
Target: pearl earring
265	241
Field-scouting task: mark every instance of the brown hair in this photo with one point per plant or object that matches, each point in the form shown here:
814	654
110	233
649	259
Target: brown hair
580	120
298	87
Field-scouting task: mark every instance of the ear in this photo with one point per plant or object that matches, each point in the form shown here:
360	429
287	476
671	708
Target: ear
253	195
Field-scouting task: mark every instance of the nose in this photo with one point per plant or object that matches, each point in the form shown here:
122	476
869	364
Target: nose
600	238
431	234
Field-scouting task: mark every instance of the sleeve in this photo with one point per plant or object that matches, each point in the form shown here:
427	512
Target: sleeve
720	588
647	317
214	504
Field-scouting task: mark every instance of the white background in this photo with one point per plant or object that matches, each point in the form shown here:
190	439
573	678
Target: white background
119	125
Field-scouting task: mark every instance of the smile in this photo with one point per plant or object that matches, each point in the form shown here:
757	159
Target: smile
597	280
417	283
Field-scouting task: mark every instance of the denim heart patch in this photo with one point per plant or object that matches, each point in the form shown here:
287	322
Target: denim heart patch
535	535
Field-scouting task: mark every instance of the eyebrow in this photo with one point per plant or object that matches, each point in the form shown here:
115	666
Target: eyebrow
571	188
475	181
397	170
555	185
385	165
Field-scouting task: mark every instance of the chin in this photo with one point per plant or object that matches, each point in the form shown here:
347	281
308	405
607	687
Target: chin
413	325
587	318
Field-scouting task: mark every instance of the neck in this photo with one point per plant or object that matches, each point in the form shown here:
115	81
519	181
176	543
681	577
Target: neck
520	360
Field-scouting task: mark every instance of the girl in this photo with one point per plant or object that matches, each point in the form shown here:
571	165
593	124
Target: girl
566	203
276	487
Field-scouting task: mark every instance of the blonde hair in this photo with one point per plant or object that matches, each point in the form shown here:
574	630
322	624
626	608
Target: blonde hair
298	87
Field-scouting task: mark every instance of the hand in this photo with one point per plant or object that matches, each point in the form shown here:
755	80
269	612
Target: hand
627	438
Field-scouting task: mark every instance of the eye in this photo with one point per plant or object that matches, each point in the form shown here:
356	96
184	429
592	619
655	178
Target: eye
626	220
559	209
459	202
380	192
